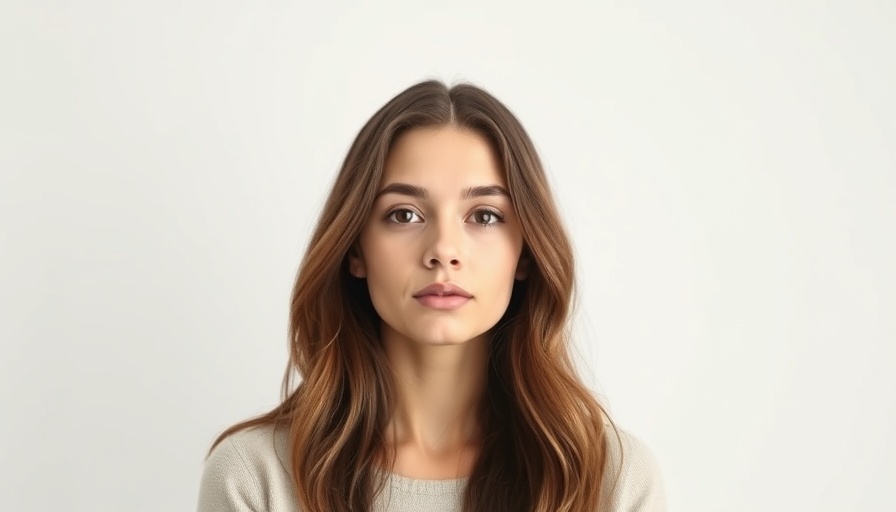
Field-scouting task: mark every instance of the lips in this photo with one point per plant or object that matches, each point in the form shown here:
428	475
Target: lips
443	296
442	290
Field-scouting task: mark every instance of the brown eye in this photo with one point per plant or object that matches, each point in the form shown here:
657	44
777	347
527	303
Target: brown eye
487	217
401	216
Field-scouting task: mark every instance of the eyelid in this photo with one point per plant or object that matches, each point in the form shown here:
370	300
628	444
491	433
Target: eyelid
493	211
392	211
488	209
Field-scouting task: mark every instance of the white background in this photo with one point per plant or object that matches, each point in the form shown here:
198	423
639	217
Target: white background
726	169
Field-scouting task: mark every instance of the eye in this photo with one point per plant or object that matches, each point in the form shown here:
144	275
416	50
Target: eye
401	216
487	218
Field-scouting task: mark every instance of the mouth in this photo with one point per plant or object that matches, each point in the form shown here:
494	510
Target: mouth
443	296
442	290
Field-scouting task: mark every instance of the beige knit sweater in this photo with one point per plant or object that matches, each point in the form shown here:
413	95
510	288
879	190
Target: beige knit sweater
247	472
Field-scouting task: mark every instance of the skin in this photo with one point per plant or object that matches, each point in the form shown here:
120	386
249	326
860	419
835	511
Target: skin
439	357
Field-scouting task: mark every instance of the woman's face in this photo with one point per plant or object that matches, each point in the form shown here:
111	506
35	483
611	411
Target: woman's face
442	216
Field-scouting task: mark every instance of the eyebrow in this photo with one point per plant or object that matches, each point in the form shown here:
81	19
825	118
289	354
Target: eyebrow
407	189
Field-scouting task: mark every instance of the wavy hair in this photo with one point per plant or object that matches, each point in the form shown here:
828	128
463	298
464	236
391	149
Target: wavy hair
545	445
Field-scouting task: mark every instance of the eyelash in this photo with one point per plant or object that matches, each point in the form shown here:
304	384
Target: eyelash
499	218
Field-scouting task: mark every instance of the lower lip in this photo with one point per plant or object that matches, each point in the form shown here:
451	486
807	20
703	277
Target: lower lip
442	301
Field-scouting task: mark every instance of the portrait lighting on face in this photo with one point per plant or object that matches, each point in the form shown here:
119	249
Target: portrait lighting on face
442	245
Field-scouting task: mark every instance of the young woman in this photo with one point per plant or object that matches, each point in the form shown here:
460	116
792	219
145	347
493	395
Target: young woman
429	325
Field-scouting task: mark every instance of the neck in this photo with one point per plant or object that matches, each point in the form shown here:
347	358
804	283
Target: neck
439	392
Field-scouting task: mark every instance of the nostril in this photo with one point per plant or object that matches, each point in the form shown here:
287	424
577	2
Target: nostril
435	261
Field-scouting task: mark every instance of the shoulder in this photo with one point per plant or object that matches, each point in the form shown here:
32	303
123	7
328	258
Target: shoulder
632	476
247	471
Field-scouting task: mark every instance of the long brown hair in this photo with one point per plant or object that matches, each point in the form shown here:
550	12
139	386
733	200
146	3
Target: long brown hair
545	446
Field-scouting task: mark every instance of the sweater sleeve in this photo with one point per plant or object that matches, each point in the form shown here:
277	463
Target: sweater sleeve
639	487
227	484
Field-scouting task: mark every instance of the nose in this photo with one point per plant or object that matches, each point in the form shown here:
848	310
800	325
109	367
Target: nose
444	246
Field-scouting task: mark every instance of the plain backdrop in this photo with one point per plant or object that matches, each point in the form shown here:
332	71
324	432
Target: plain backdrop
726	170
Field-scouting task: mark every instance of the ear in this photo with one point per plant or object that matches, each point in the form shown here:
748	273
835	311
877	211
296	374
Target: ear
523	266
356	265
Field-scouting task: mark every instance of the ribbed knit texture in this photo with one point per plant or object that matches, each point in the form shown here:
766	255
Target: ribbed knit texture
247	473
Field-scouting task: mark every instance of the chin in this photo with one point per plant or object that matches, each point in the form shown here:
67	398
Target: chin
437	333
443	341
446	338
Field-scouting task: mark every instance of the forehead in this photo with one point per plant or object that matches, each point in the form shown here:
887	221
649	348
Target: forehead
443	156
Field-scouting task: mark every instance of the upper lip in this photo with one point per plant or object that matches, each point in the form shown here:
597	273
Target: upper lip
442	289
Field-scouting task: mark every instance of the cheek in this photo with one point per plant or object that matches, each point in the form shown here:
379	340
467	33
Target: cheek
387	258
503	253
387	272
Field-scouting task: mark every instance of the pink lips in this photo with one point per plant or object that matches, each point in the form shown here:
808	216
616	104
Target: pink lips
442	296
